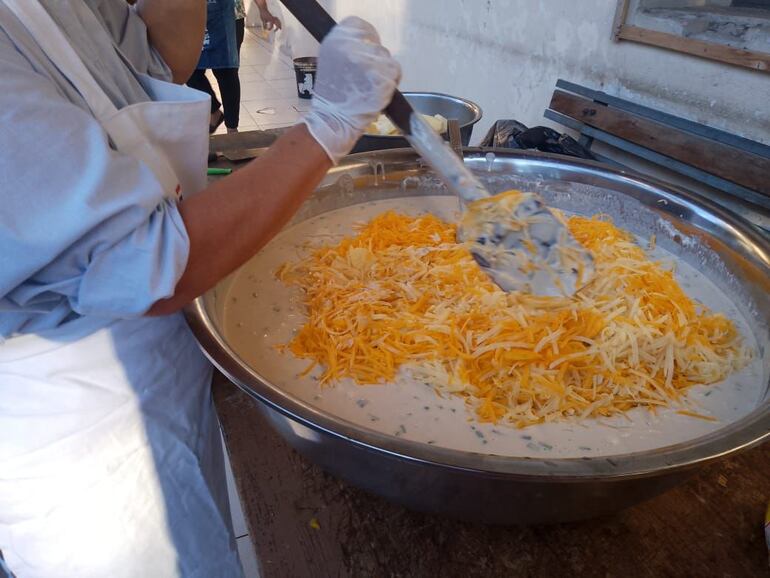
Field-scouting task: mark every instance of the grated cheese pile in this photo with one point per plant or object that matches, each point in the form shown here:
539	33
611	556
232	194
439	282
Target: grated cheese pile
403	296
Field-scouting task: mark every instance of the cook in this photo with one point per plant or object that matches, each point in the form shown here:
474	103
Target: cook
110	460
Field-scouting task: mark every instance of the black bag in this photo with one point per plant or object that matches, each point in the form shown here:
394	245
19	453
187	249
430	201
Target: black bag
511	134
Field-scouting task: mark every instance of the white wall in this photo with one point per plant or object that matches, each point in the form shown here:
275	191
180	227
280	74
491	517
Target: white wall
507	54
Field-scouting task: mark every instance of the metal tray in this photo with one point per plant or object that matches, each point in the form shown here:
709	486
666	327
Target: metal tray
466	113
497	489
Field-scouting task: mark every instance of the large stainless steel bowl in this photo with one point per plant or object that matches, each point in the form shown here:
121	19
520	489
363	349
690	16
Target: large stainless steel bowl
499	489
466	113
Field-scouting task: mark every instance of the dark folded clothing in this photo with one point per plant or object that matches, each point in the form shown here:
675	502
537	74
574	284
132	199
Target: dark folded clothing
514	135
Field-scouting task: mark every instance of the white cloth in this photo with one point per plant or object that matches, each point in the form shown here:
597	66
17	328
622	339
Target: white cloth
110	462
355	82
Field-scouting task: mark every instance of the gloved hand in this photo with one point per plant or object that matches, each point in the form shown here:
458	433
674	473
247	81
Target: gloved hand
355	82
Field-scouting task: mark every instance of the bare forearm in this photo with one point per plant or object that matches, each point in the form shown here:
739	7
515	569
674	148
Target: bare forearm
175	28
231	220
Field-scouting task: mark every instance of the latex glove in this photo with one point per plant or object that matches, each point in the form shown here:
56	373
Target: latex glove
355	81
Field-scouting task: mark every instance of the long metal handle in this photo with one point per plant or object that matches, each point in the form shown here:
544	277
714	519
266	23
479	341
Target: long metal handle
319	23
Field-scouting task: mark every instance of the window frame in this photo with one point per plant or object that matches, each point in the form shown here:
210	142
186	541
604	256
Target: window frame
621	30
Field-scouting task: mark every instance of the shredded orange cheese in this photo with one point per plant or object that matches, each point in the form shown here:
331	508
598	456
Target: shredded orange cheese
403	296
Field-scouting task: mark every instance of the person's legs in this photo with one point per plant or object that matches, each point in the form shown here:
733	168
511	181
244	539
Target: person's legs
230	89
240	31
198	81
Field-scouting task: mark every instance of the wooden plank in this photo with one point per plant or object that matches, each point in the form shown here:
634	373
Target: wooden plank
743	168
711	526
247	139
750	204
671	120
747	58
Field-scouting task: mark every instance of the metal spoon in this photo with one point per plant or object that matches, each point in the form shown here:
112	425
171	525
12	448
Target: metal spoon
521	245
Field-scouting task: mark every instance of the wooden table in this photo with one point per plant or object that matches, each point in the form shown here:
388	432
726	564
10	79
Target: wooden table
307	523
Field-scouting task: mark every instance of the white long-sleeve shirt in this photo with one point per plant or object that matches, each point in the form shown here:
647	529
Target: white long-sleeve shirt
84	229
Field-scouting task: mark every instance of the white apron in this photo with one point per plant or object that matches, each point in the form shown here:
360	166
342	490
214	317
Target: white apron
110	459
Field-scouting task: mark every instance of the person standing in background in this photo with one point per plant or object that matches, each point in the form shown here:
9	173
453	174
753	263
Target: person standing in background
220	54
269	22
227	78
240	25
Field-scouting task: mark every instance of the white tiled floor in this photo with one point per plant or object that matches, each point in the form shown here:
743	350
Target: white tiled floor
268	89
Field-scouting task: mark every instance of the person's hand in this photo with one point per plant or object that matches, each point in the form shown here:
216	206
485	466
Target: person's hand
355	81
269	22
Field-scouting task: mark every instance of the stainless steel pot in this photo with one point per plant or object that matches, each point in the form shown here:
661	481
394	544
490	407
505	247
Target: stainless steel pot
497	489
466	113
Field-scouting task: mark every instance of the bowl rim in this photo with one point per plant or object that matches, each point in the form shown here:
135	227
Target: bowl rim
478	113
752	429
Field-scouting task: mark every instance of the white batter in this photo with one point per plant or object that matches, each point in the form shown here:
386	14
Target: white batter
261	312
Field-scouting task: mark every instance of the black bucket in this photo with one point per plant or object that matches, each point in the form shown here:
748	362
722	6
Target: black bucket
305	69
